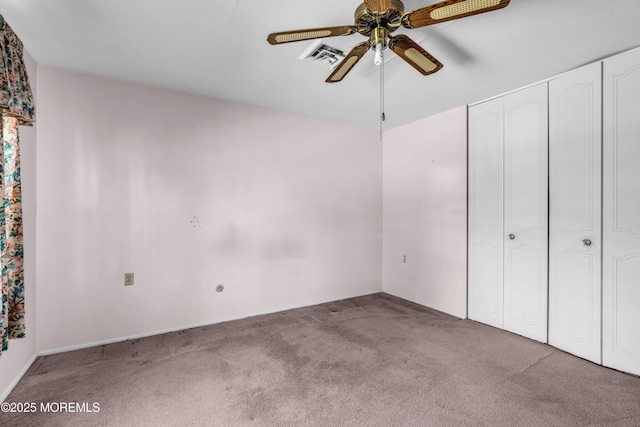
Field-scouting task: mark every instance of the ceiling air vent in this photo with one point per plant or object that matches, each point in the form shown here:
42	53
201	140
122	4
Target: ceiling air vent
320	53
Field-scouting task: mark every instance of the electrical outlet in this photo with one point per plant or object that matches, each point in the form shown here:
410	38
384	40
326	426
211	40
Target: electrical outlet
128	279
404	258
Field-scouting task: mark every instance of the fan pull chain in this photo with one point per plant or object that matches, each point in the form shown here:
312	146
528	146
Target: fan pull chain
382	116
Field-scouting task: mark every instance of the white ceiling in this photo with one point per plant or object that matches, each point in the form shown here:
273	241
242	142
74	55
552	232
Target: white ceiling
218	48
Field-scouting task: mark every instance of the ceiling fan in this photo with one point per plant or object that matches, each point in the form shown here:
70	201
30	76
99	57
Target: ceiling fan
377	19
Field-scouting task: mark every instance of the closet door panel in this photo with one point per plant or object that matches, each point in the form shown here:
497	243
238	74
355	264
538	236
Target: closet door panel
486	213
575	149
525	212
621	213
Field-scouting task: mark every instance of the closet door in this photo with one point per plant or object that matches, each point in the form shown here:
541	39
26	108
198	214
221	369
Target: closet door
575	155
621	213
486	212
525	212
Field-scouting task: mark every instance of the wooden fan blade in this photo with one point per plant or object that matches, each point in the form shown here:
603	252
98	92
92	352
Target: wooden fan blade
377	6
311	33
449	10
411	52
348	62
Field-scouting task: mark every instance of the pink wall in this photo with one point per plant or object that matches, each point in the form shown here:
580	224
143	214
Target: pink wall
425	205
189	193
22	351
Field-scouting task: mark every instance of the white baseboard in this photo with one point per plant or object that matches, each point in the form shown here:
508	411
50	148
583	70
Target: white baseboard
17	379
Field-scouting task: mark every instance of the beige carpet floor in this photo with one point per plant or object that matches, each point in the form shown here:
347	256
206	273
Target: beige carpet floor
370	361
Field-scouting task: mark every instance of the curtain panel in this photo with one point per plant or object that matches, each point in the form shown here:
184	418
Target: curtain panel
17	107
16	99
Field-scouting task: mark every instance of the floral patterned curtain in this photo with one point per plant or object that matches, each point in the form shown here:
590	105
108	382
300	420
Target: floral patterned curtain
17	107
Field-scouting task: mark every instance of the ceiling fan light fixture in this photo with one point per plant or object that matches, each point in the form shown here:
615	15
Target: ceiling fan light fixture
378	58
378	19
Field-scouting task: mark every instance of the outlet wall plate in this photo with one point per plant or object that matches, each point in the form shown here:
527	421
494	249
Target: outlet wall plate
128	279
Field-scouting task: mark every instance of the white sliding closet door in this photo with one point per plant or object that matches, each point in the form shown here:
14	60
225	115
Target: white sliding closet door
486	212
621	213
526	212
575	155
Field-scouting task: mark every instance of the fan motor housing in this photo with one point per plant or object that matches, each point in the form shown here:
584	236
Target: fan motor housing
366	21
